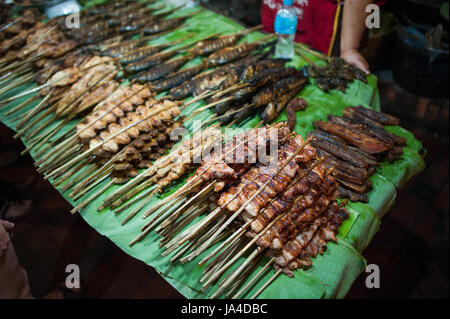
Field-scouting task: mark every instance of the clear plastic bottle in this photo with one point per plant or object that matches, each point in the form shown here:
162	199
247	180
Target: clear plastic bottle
285	28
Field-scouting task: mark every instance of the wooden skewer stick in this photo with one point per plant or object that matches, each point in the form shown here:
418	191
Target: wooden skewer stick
11	76
278	272
230	279
193	230
62	137
236	273
254	279
304	57
32	123
40	140
311	51
82	176
22	105
243	277
60	146
194	213
68	174
62	158
9	81
219	94
218	273
45	166
191	200
87	183
222	259
158	164
91	186
117	202
161	163
241	230
92	197
150	224
146	193
34	111
16	83
234	237
92	175
225	257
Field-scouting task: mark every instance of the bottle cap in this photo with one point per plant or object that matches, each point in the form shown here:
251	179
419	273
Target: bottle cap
288	2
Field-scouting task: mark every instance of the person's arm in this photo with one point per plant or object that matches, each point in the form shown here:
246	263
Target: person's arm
353	27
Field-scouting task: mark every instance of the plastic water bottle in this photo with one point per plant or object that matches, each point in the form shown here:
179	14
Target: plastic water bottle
285	28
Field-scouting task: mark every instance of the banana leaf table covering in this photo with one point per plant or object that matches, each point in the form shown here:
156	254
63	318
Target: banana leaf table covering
332	273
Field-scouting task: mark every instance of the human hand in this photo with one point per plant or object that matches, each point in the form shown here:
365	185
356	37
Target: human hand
353	57
4	237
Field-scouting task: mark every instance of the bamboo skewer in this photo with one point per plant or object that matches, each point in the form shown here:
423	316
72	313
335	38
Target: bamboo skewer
236	273
34	111
92	197
94	173
218	273
191	200
33	122
149	226
304	57
254	279
91	186
147	193
22	105
84	175
277	273
245	107
241	230
68	174
16	83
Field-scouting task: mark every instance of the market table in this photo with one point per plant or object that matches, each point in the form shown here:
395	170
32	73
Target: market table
332	273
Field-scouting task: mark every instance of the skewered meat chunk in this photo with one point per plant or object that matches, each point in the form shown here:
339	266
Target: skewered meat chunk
335	215
379	117
241	149
256	177
300	185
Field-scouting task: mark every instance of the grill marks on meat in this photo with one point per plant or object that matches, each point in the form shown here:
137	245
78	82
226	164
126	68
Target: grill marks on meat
304	209
144	149
361	140
237	154
335	215
121	115
257	176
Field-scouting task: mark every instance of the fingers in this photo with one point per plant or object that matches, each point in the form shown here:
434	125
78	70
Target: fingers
4	238
355	58
363	65
8	225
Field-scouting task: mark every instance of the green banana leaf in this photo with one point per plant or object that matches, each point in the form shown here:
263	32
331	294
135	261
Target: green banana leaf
333	272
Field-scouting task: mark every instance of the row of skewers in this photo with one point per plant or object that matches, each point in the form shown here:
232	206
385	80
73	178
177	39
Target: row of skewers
284	208
287	211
